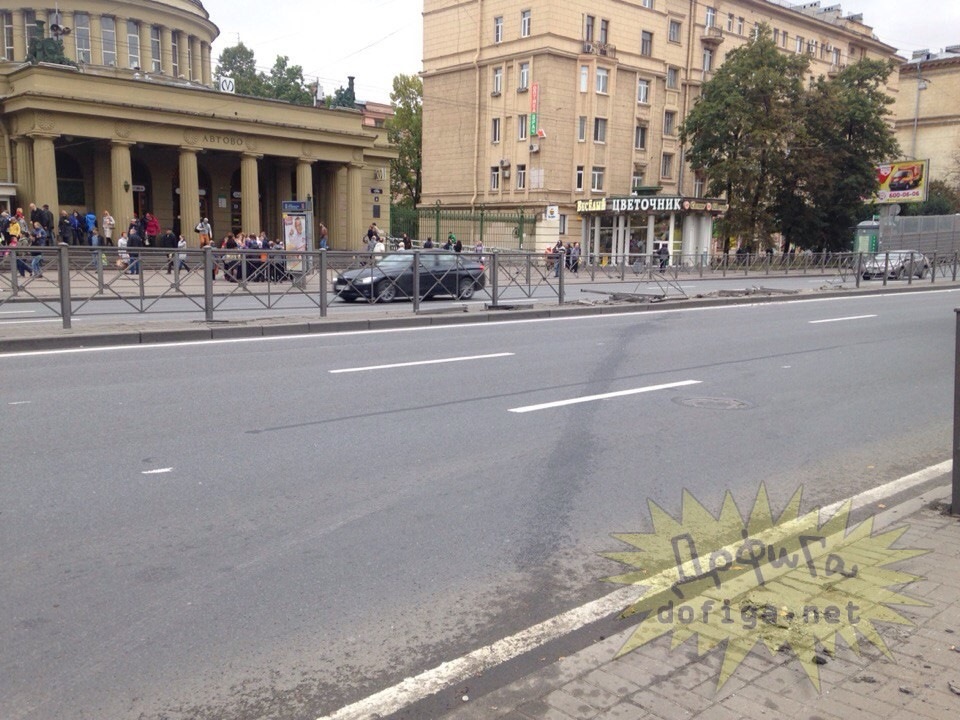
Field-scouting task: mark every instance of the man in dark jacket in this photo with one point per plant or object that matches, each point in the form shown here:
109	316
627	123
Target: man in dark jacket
134	243
64	228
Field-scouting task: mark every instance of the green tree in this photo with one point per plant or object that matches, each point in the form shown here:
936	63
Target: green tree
942	199
238	62
405	132
740	131
285	82
843	136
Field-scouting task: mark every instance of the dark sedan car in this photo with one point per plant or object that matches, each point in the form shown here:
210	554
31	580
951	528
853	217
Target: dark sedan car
898	265
441	273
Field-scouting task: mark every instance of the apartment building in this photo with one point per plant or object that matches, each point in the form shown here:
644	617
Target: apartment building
535	103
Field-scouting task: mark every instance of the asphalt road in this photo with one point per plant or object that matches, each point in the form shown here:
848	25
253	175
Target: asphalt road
274	528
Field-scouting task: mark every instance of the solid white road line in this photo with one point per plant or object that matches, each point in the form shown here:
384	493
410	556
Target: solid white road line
422	362
429	682
604	396
158	471
842	319
16	312
631	316
28	322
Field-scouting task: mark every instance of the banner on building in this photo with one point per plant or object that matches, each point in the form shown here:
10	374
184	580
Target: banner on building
902	182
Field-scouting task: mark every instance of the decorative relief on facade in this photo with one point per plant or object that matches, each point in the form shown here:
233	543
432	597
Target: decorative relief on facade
45	121
251	144
122	130
307	150
192	137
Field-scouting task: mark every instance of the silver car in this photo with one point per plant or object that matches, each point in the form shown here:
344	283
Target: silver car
898	263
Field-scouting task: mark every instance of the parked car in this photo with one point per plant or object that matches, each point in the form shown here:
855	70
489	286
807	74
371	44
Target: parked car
897	264
441	273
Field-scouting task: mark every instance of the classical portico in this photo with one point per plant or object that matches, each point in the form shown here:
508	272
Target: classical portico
182	153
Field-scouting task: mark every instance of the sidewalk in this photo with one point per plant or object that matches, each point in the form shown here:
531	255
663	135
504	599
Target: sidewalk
656	682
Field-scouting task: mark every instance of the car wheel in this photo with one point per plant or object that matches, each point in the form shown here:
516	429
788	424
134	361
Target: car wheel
466	291
386	292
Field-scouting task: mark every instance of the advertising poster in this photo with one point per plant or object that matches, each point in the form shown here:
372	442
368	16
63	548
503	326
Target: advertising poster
902	182
295	238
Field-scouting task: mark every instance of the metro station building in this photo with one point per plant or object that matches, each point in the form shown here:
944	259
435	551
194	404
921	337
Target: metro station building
134	124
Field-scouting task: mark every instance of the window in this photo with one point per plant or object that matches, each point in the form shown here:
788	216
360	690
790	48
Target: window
495	131
643	91
776	36
563	224
711	18
582	128
81	29
497	80
673	78
836	57
588	28
155	48
603	75
190	59
521	127
669	122
783	39
579	179
599	130
604	32
498	29
675	29
640	137
133	43
739	26
666	166
524	82
596	179
8	36
525	23
584	78
495	178
175	53
521	177
707	59
647	4
729	22
699	185
54	18
646	43
799	44
108	34
636	181
29	25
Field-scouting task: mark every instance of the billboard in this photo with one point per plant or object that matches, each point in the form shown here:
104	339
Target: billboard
902	182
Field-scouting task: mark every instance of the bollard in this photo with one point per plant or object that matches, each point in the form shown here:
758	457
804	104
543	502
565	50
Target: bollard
910	271
99	261
955	500
63	256
494	277
886	268
323	282
933	269
859	268
208	283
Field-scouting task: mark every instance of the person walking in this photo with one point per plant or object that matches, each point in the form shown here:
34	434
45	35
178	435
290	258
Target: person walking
664	254
107	223
40	239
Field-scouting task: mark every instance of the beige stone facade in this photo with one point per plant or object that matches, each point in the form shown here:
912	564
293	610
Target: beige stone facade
928	111
610	82
138	127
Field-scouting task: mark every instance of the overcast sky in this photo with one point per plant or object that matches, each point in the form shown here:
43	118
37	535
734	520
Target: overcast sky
374	40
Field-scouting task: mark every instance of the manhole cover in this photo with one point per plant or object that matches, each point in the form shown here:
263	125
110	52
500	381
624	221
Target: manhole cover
712	403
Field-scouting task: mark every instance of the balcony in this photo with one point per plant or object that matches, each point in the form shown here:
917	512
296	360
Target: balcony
595	48
712	36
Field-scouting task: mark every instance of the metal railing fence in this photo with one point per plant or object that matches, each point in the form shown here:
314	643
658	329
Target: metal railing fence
69	281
